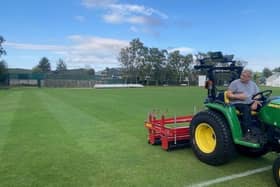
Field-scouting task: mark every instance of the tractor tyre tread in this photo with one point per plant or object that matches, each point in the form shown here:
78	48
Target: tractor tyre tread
275	170
225	149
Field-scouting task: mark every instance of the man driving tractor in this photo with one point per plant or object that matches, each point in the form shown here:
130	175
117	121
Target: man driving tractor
240	93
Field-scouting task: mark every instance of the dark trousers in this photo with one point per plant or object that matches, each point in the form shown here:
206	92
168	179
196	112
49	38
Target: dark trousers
246	118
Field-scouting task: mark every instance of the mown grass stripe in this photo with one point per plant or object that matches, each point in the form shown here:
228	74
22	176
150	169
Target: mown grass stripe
39	152
75	119
9	103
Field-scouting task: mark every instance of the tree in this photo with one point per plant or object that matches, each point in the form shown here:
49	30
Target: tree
3	64
124	61
132	59
61	66
3	73
187	60
137	53
90	71
266	72
156	62
175	62
2	51
44	66
276	69
36	69
3	67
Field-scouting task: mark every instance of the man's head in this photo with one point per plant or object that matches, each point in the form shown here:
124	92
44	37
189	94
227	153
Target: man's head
246	76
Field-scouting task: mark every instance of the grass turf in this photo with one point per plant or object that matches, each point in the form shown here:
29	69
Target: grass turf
79	137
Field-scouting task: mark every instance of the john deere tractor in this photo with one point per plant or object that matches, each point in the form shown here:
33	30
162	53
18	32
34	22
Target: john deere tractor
217	133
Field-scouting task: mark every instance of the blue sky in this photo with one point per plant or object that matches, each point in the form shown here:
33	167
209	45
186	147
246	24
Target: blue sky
91	32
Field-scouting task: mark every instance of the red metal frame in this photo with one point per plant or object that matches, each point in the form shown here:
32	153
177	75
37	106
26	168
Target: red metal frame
160	133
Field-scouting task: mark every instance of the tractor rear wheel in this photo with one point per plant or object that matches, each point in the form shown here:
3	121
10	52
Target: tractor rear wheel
276	171
211	138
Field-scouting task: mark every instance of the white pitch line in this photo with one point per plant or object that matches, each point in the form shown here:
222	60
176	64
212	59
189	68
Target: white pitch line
230	177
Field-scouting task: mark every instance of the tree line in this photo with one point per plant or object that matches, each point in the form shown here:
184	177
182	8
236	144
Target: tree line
61	71
143	64
44	66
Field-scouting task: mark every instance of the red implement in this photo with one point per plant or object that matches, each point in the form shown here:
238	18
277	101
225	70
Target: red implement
169	132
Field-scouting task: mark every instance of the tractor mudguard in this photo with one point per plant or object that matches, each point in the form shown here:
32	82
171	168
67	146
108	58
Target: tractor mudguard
230	115
269	114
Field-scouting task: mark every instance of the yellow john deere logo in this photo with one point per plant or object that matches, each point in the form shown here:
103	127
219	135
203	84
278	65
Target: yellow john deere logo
273	105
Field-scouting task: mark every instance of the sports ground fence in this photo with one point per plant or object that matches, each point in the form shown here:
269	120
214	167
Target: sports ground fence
70	81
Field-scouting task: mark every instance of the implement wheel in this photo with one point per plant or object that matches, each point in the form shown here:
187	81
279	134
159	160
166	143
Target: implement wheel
211	138
276	171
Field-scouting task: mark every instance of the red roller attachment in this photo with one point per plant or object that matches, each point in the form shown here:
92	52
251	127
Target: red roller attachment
169	132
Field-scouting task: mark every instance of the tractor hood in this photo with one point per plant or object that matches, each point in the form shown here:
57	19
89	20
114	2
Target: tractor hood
275	101
270	113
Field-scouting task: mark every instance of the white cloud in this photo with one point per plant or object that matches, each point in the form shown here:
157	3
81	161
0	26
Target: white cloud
138	20
114	18
97	43
183	50
117	13
136	9
96	51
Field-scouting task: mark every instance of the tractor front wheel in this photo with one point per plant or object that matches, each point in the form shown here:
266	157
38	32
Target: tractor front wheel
276	171
211	138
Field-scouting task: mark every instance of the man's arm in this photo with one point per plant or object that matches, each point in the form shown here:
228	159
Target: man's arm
236	96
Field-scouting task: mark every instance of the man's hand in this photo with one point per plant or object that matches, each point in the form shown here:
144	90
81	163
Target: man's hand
255	105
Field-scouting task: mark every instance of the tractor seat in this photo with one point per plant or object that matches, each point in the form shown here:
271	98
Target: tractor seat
227	101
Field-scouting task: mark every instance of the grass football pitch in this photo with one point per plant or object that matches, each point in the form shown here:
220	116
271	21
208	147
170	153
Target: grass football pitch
96	137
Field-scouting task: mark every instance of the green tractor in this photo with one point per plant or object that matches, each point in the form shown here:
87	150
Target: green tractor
217	131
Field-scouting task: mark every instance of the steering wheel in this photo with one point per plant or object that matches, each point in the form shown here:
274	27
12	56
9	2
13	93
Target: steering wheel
262	96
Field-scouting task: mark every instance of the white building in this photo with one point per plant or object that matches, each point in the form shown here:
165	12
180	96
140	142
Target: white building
201	80
273	80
